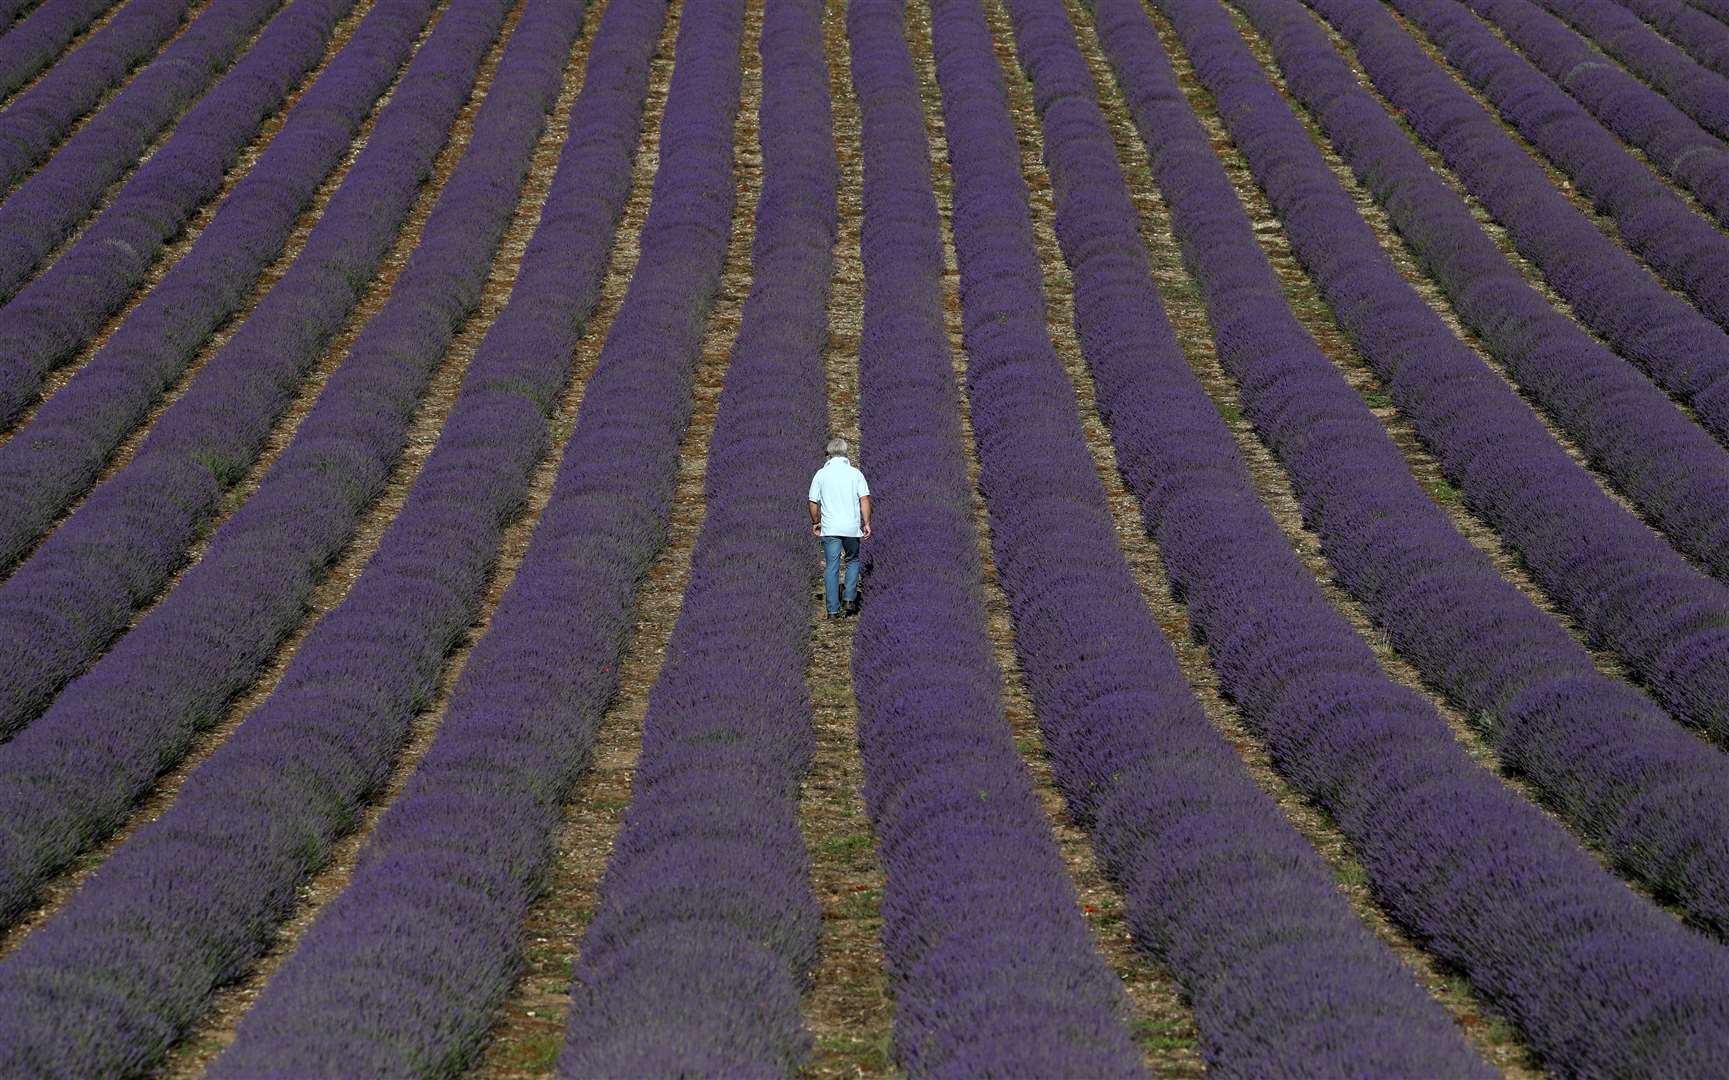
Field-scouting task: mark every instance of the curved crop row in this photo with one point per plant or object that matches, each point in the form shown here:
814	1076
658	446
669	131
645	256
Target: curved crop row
433	914
1705	39
78	590
1629	589
1686	250
705	928
173	675
1640	116
1699	92
107	985
36	41
1477	874
46	209
1684	351
58	312
993	968
35	124
1669	466
1717	9
63	448
1281	973
10	10
1602	753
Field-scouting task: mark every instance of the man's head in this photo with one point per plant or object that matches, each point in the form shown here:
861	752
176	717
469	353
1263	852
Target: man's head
837	448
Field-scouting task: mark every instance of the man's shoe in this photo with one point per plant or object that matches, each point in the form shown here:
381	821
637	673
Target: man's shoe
852	607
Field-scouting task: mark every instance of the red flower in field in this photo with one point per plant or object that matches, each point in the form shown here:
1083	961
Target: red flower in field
1089	909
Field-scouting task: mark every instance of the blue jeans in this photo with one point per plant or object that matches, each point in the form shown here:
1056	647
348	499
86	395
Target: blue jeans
831	549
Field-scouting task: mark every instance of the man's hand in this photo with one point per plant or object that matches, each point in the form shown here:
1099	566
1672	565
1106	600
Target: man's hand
816	529
865	531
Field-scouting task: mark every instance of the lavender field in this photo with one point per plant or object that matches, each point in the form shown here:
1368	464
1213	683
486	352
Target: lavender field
1295	635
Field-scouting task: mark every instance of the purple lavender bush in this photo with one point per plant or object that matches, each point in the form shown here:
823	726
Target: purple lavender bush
170	80
1602	755
10	10
1477	874
1628	589
1700	92
1683	350
1685	250
1703	38
705	929
59	311
46	209
245	832
213	634
1664	462
1717	9
78	590
1640	116
993	968
1219	886
62	450
432	916
36	42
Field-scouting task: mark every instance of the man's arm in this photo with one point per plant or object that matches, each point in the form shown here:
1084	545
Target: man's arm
864	514
816	519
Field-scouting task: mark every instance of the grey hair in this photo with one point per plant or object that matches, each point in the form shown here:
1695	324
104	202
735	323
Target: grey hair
837	448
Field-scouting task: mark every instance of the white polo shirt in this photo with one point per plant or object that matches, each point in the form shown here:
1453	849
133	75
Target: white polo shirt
837	487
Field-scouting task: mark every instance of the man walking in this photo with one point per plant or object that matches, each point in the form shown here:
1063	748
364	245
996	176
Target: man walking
840	514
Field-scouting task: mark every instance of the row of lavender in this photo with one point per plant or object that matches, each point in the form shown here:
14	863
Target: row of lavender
130	961
1609	291
68	303
403	972
173	675
11	10
1633	593
1681	348
705	929
36	41
60	453
1654	802
52	202
1625	585
1704	38
1717	9
1218	884
1685	249
33	125
81	586
1700	92
1430	825
994	972
1671	468
1674	141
